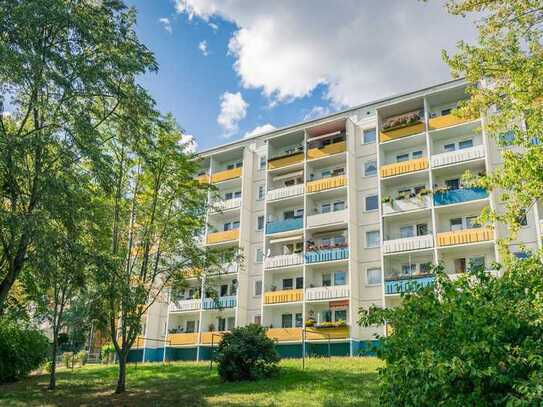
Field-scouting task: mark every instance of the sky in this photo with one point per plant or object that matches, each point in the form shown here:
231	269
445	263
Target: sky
233	68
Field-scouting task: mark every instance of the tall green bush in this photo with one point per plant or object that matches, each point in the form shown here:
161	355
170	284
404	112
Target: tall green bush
476	341
247	353
21	351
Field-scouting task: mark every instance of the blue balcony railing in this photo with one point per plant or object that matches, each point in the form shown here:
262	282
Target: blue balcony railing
284	225
327	255
222	302
459	195
408	285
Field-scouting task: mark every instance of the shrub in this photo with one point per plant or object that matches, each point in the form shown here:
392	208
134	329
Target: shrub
106	353
68	359
474	341
81	357
247	353
21	351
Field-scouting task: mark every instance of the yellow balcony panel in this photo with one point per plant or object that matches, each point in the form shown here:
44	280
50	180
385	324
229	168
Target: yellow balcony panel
285	334
226	175
192	272
208	337
326	183
464	236
401	132
182	339
275	163
219	237
139	342
406	166
327	333
203	179
326	151
445	121
276	297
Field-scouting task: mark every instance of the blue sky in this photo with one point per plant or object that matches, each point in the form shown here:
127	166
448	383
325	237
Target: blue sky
288	60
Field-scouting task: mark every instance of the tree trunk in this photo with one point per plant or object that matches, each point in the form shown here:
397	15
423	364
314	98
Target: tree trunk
121	381
53	375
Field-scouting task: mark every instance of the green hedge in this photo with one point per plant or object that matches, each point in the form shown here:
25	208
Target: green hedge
21	351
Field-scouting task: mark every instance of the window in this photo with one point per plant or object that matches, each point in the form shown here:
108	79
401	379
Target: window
258	288
340	278
471	222
224	290
221	324
299	321
326	173
373	276
260	192
422	229
465	144
262	162
287	284
372	239
326	316
372	203
408	269
425	268
370	168
416	154
259	256
522	219
460	265
406	231
325	208
228	196
340	315
230	323
402	157
369	136
456	224
260	223
227	226
326	280
258	320
191	326
286	321
235	224
230	167
445	112
452	183
449	147
477	263
239	164
237	194
339	206
299	283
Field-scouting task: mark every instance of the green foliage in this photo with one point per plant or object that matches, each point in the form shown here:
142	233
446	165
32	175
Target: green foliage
68	360
247	353
474	341
107	352
82	357
21	350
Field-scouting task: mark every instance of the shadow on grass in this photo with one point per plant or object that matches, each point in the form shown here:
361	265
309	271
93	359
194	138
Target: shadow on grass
193	384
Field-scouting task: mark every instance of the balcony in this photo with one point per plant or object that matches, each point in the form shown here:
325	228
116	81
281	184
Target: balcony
406	204
203	179
284	260
278	297
185	305
285	161
404	167
326	183
464	236
318	256
208	338
327	293
408	243
285	192
285	334
454	196
453	157
226	175
182	339
408	285
225	268
220	303
328	218
221	237
224	205
139	342
284	225
445	121
403	125
340	332
326	151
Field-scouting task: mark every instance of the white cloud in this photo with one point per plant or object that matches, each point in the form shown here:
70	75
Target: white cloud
214	26
233	109
260	130
202	46
317	111
166	24
190	142
360	50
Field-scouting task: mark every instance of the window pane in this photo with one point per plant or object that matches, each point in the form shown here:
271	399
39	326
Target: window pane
477	263
370	168
262	162
422	229
449	147
259	255
460	265
326	280
340	278
339	205
408	269
287	284
340	315
325	208
369	136
372	239
299	283
471	222
373	276
372	203
416	155
402	157
465	144
235	224
299	320
286	321
406	231
453	183
228	195
456	224
260	223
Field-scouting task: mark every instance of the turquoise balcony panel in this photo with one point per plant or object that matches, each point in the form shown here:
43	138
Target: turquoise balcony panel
409	285
327	255
459	195
284	225
222	302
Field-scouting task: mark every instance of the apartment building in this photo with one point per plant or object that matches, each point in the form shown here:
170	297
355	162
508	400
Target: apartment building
333	215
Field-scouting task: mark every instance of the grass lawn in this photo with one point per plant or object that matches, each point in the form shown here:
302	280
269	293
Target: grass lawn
324	382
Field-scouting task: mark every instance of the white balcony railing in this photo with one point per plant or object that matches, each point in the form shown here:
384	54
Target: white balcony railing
227	204
405	205
226	268
408	243
457	156
285	192
185	305
327	293
327	218
284	260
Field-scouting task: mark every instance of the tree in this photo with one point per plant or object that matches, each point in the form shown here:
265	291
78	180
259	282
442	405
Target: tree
474	341
505	74
155	210
65	69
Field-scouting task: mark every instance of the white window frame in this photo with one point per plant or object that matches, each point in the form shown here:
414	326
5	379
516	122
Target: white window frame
368	284
261	193
257	255
364	133
378	241
255	293
366	203
366	168
258	228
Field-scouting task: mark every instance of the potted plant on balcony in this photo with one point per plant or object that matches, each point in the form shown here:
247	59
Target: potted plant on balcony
341	323
310	322
403	120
